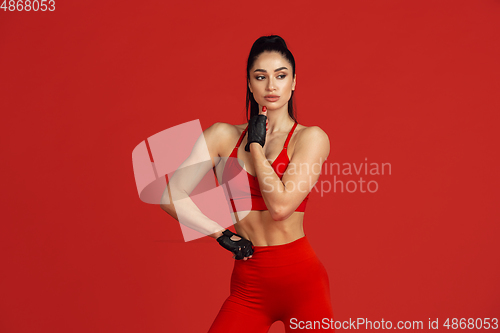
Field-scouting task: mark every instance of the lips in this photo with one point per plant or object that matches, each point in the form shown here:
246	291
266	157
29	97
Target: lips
272	98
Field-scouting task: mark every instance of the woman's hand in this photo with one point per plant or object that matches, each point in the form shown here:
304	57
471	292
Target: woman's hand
263	111
241	247
257	128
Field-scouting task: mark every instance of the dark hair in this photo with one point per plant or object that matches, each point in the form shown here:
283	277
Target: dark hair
268	43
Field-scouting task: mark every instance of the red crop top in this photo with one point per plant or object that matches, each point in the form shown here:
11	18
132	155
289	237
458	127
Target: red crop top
239	193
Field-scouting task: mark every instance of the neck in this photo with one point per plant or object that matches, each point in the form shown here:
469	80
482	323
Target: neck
279	120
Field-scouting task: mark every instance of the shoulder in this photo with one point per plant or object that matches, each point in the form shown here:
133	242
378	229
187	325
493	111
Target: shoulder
312	135
224	130
312	140
223	135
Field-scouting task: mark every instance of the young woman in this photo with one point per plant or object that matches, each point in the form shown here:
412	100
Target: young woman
276	275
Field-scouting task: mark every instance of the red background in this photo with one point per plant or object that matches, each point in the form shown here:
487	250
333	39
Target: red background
410	83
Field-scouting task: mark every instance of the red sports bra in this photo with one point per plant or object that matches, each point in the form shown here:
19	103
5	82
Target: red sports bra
239	196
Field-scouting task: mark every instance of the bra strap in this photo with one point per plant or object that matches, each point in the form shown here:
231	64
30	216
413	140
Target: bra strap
289	135
241	137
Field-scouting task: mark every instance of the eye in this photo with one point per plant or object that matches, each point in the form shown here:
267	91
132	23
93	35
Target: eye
281	76
260	77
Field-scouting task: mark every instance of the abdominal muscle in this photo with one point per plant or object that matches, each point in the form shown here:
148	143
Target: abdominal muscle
259	228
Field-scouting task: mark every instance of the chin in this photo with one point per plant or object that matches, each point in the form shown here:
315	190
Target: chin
273	106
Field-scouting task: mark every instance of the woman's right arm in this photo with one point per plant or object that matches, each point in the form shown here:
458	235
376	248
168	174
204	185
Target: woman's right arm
176	201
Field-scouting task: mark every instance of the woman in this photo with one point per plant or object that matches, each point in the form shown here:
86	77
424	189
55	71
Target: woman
277	275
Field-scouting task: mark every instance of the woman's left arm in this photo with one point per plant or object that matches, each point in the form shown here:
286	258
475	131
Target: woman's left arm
283	196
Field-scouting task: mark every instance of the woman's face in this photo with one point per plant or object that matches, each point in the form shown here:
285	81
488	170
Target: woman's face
271	81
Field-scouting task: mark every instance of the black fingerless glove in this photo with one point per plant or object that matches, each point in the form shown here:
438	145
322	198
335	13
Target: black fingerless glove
256	130
241	248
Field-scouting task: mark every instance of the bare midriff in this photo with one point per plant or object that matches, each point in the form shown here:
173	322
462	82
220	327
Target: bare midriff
259	227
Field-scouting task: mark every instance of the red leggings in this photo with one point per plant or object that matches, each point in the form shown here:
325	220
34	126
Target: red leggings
281	282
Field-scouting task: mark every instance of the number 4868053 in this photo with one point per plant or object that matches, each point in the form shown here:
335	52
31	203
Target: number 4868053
28	5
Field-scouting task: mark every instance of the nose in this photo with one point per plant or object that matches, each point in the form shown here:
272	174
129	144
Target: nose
271	84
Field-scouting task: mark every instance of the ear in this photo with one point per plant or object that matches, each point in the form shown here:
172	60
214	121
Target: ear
294	81
250	87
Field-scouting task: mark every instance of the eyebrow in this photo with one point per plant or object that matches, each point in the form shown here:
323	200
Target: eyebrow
263	70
